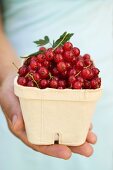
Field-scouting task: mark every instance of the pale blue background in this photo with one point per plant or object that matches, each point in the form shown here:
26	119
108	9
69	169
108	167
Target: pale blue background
91	21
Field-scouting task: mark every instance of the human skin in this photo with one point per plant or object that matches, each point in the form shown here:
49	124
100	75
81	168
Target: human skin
12	111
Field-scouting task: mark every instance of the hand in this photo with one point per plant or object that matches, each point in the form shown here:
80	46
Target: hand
11	107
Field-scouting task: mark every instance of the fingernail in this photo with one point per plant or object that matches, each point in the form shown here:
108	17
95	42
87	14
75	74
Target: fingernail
14	119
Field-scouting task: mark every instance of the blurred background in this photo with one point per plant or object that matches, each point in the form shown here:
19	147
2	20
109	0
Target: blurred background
91	21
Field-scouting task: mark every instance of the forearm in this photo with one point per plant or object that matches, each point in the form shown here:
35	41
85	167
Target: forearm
7	57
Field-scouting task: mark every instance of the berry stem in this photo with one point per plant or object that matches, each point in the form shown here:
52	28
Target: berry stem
77	73
50	76
15	66
30	75
80	71
27	75
88	66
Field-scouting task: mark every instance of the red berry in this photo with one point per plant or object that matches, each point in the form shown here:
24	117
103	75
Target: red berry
43	83
33	58
30	70
39	65
22	81
40	58
74	61
80	58
55	78
62	83
43	72
42	49
71	79
72	72
36	76
58	58
86	73
33	64
80	79
64	74
91	74
60	88
86	56
68	65
51	66
49	54
53	83
95	71
31	84
61	66
76	51
67	46
22	71
94	84
59	50
27	61
92	66
87	62
55	71
87	84
28	77
79	65
99	80
68	56
77	85
46	63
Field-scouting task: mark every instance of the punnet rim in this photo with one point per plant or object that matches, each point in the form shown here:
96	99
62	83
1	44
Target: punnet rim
56	94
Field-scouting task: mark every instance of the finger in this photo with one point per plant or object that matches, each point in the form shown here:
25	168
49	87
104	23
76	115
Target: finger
17	127
91	137
85	149
9	102
59	151
11	108
91	127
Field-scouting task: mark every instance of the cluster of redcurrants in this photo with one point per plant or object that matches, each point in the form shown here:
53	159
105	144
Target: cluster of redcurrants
60	68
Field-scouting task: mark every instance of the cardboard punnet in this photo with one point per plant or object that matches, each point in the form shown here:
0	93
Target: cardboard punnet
52	114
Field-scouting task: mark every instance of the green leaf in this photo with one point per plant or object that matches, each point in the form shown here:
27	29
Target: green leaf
53	43
63	38
33	54
59	39
42	42
46	39
67	38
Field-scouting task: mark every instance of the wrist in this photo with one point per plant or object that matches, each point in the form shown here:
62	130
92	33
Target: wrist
8	70
7	76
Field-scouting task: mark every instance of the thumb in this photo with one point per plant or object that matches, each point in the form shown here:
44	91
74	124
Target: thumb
11	108
14	120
